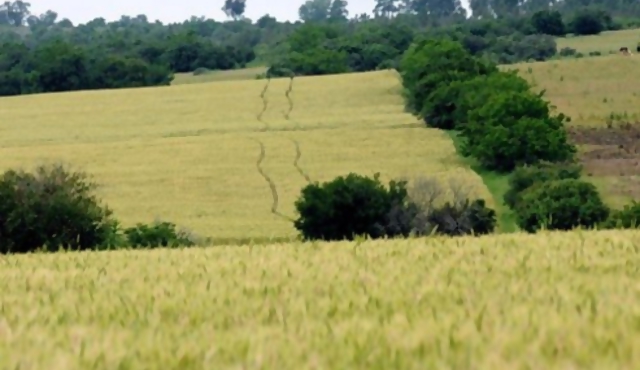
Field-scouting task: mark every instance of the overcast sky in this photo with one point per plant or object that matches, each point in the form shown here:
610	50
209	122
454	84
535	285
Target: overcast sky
81	11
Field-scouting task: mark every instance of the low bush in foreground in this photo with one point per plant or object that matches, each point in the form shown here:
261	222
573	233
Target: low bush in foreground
49	209
626	218
359	206
560	205
159	234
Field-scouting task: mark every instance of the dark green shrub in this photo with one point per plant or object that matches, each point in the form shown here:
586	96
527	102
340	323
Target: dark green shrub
463	219
515	128
468	95
431	64
526	176
560	205
588	22
161	234
49	209
567	52
548	22
626	218
352	206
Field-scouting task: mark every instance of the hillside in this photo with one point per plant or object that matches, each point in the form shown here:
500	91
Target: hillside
189	154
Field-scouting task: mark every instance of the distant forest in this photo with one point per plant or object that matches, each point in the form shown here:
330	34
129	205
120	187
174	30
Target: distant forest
48	53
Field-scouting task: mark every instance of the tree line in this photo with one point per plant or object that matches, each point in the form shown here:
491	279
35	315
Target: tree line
44	53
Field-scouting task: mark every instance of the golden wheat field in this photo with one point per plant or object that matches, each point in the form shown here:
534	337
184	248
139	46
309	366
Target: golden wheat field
588	90
549	301
193	154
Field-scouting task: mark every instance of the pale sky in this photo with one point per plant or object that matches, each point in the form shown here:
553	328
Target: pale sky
82	11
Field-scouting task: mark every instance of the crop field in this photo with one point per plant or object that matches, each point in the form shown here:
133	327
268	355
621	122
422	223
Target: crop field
599	95
605	43
220	160
554	301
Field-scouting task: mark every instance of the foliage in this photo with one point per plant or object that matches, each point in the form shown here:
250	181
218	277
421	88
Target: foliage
560	205
161	234
516	128
349	206
526	176
433	64
626	218
548	22
447	211
463	218
51	208
589	22
464	96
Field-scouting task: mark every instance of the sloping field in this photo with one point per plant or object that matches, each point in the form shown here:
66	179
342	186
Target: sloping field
589	90
605	42
603	100
549	301
190	154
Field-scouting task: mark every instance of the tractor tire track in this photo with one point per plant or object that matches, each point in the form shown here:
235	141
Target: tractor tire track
287	115
265	104
272	185
297	160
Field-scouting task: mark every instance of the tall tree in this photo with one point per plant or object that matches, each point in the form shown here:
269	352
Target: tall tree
14	13
386	8
314	10
234	8
437	9
338	10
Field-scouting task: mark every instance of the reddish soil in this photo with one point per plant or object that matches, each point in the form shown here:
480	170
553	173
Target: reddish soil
609	152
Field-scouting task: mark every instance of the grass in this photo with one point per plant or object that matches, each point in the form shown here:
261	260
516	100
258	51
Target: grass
588	90
605	43
188	154
213	76
497	184
549	301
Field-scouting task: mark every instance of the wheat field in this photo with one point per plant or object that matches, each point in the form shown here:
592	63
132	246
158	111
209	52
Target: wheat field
189	154
516	301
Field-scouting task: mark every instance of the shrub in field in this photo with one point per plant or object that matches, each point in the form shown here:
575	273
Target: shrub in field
447	211
560	205
431	64
350	206
463	218
626	218
515	128
526	176
589	22
568	52
51	208
468	95
548	22
161	234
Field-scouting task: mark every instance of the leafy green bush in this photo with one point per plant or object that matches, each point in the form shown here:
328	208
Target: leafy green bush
548	22
161	234
51	208
568	52
526	176
515	128
560	205
468	95
431	64
352	206
588	22
626	218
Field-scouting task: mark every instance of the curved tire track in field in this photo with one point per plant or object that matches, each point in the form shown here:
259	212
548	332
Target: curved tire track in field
265	104
287	115
272	185
297	160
